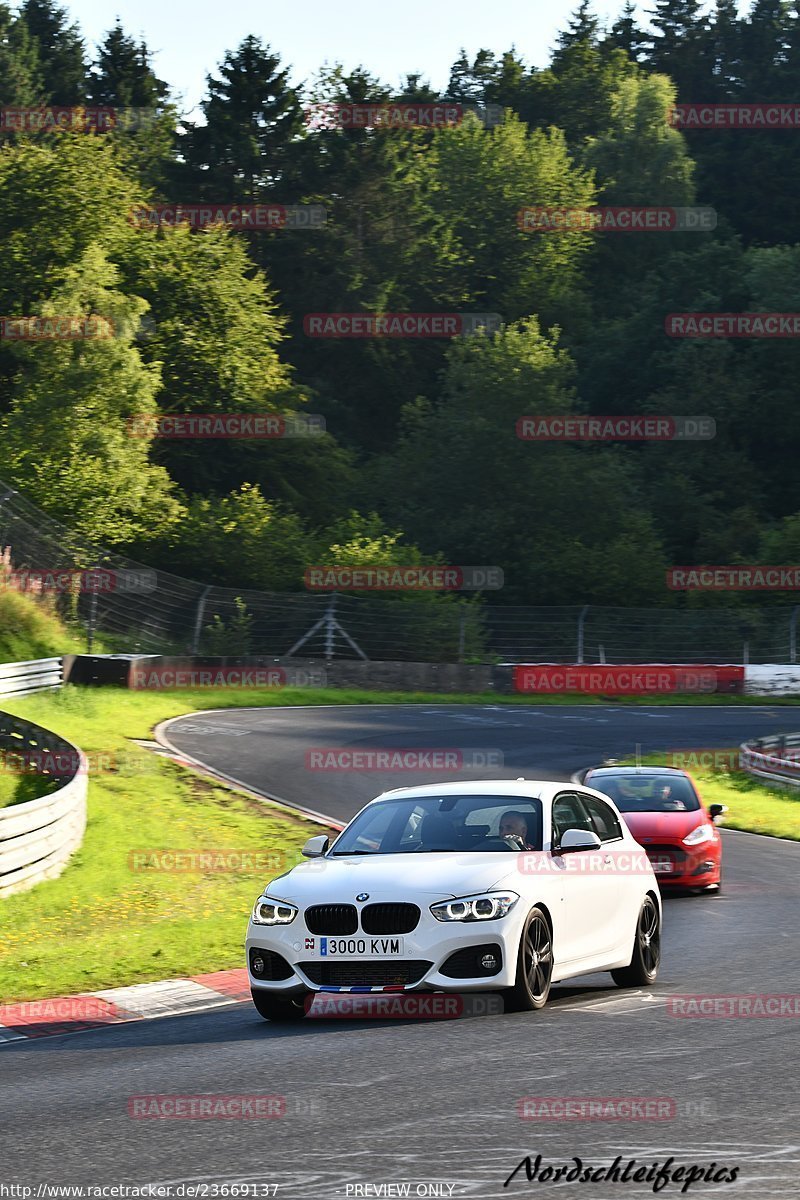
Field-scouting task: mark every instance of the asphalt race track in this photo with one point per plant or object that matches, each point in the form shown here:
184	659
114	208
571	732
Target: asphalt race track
436	1103
270	749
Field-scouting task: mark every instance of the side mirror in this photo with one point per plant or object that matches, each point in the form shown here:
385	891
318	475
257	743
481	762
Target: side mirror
577	839
315	847
715	811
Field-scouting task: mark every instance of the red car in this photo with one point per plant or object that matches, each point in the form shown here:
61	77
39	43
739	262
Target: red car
665	813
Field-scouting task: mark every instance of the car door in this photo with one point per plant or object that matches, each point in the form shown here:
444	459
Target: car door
618	864
588	907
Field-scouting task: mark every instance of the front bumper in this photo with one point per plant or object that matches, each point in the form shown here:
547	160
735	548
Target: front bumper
688	866
436	956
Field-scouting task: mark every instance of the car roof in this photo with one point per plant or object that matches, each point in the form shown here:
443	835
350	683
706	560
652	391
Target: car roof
626	770
539	789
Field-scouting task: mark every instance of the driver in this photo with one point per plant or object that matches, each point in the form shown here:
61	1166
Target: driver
515	825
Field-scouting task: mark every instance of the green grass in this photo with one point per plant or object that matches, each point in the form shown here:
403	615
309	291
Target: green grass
16	787
30	629
752	806
101	923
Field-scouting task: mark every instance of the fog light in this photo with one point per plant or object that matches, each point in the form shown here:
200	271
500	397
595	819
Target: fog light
489	962
257	964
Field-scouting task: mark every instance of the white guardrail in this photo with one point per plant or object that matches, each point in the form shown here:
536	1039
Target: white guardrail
37	837
774	759
25	678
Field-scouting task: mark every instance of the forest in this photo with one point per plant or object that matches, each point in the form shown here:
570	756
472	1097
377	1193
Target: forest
415	457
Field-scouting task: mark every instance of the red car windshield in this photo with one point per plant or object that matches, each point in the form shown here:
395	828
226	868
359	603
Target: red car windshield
648	793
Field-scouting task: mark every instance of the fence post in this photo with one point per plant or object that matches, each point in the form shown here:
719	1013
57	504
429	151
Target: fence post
92	620
462	634
793	634
198	621
581	625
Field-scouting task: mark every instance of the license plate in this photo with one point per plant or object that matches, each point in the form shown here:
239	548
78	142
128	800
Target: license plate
355	947
662	866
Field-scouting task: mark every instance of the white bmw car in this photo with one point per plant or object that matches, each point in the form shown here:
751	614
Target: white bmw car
493	885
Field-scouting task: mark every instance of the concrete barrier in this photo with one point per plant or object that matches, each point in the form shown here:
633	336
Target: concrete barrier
772	679
37	837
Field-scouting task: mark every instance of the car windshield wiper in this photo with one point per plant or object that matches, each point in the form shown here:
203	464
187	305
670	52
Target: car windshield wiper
350	853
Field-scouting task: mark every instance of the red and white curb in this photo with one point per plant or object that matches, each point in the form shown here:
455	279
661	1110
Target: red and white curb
112	1006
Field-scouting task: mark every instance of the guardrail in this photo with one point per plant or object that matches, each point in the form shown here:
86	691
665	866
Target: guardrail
774	759
25	678
37	837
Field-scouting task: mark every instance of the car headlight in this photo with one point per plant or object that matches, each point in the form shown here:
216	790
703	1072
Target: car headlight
487	907
267	911
703	833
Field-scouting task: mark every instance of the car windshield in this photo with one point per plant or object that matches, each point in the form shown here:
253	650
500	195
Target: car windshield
468	824
648	793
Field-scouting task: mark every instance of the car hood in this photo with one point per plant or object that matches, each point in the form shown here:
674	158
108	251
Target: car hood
658	825
329	880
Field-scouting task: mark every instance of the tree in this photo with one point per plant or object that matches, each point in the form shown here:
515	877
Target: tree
575	93
469	81
626	35
680	46
20	79
59	49
765	46
66	437
493	494
122	74
251	116
583	28
726	40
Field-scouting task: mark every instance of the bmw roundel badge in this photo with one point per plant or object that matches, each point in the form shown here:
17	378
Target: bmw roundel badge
362	896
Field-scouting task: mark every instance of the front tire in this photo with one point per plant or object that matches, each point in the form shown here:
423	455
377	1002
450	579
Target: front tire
534	966
278	1008
643	967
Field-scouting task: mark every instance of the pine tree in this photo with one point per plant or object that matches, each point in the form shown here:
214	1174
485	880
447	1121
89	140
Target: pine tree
252	114
20	80
60	51
681	46
765	48
469	81
726	37
625	33
122	75
583	27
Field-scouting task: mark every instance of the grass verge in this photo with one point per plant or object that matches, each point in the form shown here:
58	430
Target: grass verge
112	918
